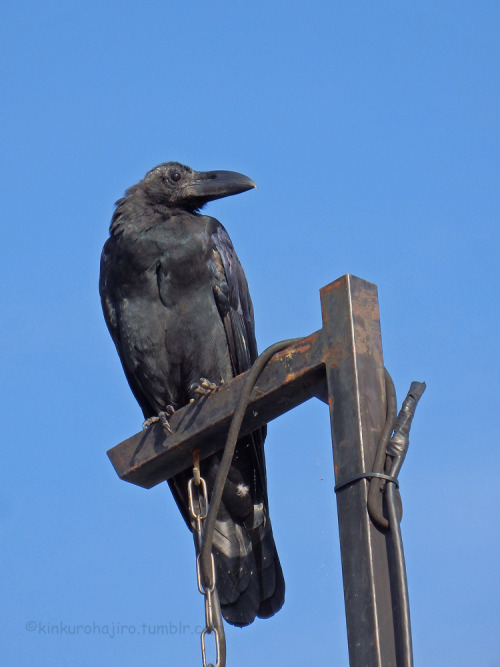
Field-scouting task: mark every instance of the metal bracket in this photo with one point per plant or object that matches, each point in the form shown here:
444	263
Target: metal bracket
342	364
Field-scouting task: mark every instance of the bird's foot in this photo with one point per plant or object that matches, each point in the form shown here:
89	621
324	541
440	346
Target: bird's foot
162	417
202	388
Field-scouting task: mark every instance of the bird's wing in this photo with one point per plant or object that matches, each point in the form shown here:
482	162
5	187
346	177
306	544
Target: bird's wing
234	303
240	599
109	308
235	307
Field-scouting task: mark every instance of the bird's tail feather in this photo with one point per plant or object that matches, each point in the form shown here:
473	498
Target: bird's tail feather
249	578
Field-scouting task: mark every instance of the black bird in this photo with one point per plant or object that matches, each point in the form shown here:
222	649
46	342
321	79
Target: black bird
177	305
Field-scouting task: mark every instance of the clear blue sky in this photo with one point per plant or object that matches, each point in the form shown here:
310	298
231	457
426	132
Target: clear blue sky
372	131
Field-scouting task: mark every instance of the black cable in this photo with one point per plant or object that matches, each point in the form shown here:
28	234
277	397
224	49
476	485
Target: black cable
227	457
375	489
389	458
396	450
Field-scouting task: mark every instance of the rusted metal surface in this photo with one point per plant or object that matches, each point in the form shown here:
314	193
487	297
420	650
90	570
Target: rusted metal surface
356	393
342	364
292	377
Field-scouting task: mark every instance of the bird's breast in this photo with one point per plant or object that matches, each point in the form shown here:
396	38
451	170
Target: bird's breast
178	249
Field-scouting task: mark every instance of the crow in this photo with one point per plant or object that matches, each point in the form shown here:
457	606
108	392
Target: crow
177	306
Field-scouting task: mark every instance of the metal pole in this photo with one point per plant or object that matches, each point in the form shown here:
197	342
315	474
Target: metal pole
356	396
341	364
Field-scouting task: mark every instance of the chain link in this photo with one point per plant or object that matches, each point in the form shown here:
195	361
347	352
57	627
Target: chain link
201	514
198	508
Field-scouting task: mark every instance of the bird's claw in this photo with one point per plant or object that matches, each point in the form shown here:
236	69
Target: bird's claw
203	387
147	422
207	386
161	417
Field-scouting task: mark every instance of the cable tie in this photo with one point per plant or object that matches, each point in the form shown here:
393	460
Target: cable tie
366	475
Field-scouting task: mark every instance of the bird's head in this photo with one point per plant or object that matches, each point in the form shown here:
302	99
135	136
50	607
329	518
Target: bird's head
174	184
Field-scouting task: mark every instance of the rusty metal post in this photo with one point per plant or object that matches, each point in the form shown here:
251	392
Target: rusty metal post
343	365
356	395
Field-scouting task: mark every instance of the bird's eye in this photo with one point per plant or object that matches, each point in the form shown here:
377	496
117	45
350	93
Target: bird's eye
175	176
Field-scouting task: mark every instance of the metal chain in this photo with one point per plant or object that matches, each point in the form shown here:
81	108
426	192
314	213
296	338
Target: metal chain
198	508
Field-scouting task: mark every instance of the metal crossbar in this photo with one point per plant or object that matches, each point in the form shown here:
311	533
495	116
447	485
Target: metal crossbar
342	364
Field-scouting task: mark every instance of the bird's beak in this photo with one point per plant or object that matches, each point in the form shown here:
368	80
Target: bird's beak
210	185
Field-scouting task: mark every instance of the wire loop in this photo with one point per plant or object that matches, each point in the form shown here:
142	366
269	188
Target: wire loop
365	475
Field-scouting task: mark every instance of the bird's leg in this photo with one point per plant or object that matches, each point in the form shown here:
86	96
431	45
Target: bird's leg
202	388
161	417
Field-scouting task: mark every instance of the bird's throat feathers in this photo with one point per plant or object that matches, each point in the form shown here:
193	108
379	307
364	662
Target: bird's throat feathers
139	211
